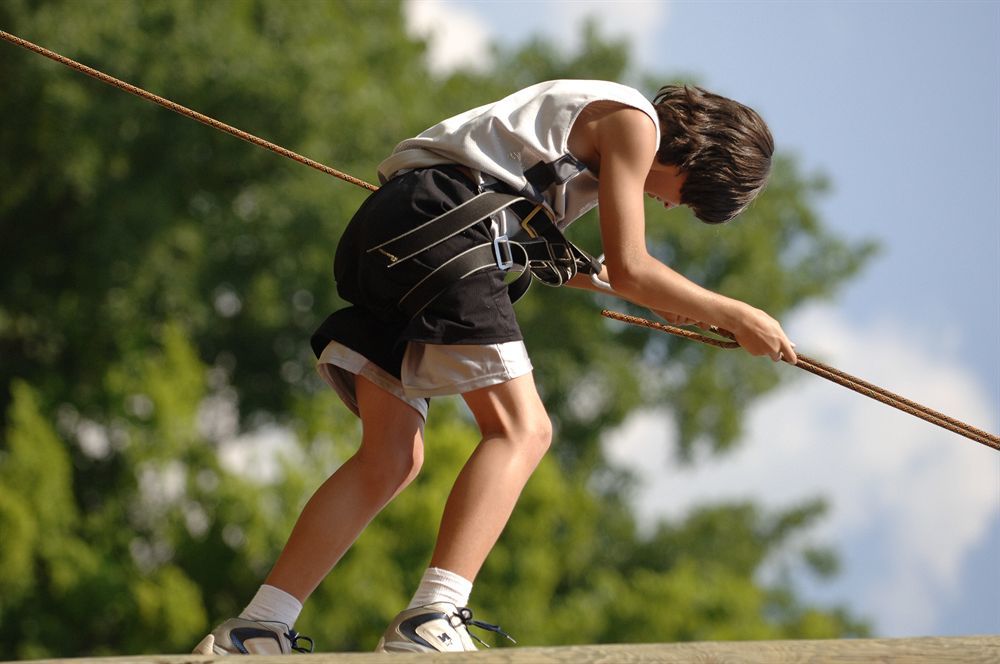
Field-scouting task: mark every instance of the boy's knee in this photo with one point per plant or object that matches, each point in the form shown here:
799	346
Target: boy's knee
403	464
544	432
535	434
390	468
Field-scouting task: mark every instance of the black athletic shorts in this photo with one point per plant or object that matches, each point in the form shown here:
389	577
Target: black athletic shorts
475	310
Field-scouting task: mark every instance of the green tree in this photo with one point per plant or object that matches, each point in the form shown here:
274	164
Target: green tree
127	214
84	547
160	284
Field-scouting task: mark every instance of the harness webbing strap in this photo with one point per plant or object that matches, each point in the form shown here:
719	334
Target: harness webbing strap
543	175
437	230
474	260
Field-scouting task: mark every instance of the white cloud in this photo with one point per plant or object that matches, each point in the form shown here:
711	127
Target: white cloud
457	38
908	500
460	31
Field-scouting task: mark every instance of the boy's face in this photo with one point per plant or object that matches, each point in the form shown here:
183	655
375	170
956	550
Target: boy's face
664	183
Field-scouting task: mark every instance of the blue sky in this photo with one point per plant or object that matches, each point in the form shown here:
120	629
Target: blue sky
899	104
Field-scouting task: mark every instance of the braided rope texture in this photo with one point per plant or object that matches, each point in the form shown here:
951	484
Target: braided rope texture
183	110
842	378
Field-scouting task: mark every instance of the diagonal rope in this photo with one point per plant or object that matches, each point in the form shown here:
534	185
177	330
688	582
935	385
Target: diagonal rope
835	375
805	363
183	110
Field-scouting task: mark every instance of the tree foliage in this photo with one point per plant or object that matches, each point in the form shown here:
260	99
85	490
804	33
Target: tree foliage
162	423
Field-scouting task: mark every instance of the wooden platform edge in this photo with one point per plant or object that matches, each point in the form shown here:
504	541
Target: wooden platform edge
964	649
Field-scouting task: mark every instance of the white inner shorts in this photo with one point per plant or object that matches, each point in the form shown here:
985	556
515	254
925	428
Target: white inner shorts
429	370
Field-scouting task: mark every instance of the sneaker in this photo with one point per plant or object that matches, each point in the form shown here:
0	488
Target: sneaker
440	627
237	636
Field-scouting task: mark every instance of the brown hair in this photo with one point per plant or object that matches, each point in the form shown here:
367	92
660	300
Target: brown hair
724	147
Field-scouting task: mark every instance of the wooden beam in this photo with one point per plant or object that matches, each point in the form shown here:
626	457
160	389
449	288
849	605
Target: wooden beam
943	650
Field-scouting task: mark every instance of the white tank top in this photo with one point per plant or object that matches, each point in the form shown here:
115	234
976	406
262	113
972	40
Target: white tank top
521	141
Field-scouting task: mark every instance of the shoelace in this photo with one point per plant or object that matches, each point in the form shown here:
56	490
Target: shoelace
464	615
294	638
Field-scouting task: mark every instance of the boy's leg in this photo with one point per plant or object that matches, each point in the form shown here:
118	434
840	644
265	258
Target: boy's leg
388	459
516	434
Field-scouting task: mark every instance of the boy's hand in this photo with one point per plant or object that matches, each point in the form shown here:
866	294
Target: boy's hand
759	334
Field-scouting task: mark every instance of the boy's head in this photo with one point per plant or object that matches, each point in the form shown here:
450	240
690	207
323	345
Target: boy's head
724	148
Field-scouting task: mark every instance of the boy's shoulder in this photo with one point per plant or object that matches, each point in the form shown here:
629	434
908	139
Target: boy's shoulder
605	126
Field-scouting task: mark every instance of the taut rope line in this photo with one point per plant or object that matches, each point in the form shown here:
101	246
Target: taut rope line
812	366
841	378
183	110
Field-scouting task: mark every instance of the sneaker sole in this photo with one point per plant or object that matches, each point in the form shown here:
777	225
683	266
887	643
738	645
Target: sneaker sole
208	647
400	647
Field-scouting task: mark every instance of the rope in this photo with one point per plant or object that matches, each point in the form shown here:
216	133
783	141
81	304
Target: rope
183	110
830	373
805	363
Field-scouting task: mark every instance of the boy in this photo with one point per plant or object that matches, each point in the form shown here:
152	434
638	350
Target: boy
424	262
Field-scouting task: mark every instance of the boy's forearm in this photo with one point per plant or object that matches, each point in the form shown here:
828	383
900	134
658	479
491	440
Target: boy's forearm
660	288
667	291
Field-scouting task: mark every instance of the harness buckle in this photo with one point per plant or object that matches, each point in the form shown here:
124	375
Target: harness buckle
502	253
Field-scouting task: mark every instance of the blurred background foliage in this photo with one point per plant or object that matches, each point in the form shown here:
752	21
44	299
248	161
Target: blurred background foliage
161	419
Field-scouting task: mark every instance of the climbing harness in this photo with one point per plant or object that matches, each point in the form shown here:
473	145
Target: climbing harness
537	248
545	253
830	373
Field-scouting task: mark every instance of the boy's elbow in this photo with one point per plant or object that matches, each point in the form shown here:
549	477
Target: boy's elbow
623	278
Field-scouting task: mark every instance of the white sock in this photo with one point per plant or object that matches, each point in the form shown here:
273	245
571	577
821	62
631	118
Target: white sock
440	585
272	604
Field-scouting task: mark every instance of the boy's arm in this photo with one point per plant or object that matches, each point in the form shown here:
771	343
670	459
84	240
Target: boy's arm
627	144
585	282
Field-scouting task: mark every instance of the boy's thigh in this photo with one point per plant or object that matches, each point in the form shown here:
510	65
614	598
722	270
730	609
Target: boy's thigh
383	414
513	407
